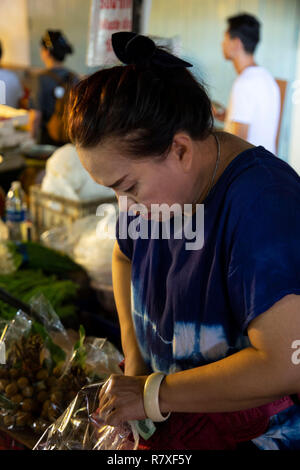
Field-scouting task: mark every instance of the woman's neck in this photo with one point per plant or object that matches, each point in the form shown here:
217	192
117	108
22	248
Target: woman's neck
230	147
53	64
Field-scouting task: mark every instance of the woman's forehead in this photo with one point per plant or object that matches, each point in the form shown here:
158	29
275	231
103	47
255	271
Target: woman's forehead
109	165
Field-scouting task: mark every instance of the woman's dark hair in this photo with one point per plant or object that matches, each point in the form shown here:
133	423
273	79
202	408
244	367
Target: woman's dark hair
57	45
143	105
246	28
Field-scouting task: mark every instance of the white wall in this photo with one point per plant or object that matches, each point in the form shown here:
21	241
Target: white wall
14	32
70	16
295	130
201	24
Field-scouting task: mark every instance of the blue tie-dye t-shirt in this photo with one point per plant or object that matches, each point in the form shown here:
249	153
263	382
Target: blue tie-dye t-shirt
193	307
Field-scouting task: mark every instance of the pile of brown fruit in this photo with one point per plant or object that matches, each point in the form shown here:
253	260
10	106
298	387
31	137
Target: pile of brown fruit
38	396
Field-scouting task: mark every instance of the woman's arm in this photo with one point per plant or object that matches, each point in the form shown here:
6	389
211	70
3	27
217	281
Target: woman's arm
252	377
121	274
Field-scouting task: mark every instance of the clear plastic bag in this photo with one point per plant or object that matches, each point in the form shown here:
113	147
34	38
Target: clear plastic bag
88	242
80	428
46	366
34	346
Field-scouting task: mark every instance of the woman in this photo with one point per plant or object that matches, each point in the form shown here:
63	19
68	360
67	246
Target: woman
218	323
51	91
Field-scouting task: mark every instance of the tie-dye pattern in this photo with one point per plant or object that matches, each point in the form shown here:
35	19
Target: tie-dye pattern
191	308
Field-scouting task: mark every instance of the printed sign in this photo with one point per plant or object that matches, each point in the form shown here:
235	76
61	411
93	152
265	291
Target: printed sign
106	17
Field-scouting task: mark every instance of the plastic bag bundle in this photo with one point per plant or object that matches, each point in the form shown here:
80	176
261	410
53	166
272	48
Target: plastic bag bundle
44	366
66	177
80	428
31	351
86	242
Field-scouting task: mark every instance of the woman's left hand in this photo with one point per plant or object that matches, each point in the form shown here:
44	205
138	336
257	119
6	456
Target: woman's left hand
121	399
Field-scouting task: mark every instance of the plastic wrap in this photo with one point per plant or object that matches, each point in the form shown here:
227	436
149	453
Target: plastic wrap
83	242
66	177
80	428
3	231
46	366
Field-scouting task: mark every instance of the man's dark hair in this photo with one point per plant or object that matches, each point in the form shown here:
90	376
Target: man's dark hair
1	50
247	29
143	106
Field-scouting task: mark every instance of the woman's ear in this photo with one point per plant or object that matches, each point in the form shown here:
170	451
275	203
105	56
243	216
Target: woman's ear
182	150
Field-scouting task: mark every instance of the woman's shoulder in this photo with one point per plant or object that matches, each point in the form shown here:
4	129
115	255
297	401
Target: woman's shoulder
255	174
252	168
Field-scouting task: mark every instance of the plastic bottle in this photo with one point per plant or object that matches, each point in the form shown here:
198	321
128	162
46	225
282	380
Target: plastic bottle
16	211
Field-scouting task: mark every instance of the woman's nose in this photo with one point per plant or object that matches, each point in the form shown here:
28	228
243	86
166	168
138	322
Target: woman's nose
125	202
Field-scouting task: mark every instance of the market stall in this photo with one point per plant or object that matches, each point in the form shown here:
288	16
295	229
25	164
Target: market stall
53	345
58	321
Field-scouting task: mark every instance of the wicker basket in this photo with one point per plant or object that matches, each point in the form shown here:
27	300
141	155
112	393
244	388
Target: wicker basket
48	210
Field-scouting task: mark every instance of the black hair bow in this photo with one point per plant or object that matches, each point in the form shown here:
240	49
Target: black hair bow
132	48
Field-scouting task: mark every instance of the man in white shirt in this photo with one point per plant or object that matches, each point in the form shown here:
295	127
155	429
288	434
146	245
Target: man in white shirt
254	106
13	88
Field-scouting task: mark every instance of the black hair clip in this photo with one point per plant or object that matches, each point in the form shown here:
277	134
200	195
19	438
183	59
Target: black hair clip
132	48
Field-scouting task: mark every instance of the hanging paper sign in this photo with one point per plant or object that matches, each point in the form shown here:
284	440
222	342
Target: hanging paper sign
106	17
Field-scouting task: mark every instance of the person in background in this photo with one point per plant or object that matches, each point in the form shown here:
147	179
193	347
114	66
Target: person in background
52	88
13	88
254	106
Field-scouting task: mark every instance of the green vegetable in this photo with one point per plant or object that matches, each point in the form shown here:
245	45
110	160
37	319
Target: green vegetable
25	284
79	349
6	403
57	354
37	256
17	257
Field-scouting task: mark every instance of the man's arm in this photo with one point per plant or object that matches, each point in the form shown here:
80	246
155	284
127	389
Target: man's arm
218	110
238	128
121	274
34	122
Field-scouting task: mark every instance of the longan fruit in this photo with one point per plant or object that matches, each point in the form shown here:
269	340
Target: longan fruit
28	404
3	373
27	391
42	374
14	373
22	418
17	398
40	385
22	382
56	396
51	381
9	420
42	396
3	384
11	389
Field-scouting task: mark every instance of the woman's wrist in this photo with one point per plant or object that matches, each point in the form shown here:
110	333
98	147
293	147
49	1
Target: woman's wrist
135	366
164	396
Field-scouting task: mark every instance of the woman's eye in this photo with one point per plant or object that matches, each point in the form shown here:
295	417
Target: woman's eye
129	190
